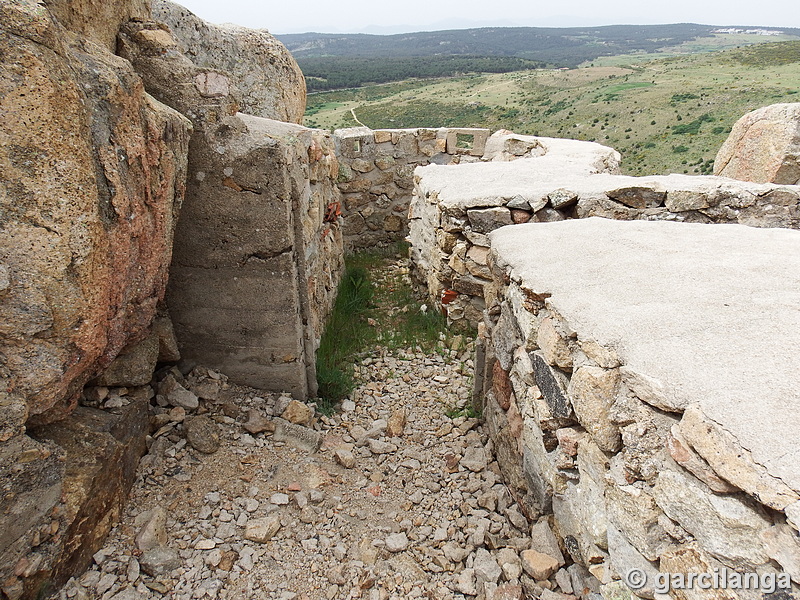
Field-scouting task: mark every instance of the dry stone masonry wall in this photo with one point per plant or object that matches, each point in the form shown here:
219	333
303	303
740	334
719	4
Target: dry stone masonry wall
615	385
455	207
376	175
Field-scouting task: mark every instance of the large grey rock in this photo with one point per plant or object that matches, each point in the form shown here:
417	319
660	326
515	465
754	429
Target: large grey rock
271	84
764	145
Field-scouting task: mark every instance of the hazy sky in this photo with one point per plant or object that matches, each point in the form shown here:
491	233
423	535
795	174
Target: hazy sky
380	16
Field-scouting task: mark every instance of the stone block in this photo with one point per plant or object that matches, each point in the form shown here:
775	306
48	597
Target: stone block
469	285
553	385
728	459
634	512
134	366
101	451
562	198
485	220
592	391
682	453
725	526
553	344
624	559
638	196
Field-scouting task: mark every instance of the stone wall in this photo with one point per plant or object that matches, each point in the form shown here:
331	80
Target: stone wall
376	175
636	393
455	207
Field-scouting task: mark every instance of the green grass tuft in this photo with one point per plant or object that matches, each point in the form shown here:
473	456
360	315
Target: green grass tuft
346	334
368	313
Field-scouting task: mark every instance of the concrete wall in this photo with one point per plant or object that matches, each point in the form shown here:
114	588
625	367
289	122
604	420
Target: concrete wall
255	265
258	255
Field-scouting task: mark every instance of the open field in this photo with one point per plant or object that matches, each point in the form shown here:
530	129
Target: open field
664	115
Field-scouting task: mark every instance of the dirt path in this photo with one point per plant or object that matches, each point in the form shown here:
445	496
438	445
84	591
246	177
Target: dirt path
401	500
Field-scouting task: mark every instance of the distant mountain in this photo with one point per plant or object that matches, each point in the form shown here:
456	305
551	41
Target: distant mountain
556	46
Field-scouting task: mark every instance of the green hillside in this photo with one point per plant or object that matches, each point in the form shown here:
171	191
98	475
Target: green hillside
664	115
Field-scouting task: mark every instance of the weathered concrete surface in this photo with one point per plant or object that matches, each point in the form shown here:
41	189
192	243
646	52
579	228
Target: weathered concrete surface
764	145
257	255
700	316
271	84
497	183
454	207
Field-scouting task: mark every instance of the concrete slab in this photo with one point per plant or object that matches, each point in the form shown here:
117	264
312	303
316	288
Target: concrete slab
495	183
707	316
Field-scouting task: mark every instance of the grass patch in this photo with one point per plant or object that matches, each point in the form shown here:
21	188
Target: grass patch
348	333
469	411
375	306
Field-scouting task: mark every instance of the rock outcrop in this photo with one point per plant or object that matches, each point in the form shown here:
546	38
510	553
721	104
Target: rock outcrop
94	172
764	146
93	179
268	78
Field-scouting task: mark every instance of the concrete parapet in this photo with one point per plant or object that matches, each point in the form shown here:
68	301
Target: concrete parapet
455	207
615	373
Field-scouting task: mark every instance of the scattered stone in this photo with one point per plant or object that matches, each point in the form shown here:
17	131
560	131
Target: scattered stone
396	423
465	583
397	542
345	458
475	459
279	499
380	447
298	413
486	567
202	434
509	591
262	530
153	532
133	571
159	561
544	540
258	423
537	565
177	395
297	435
